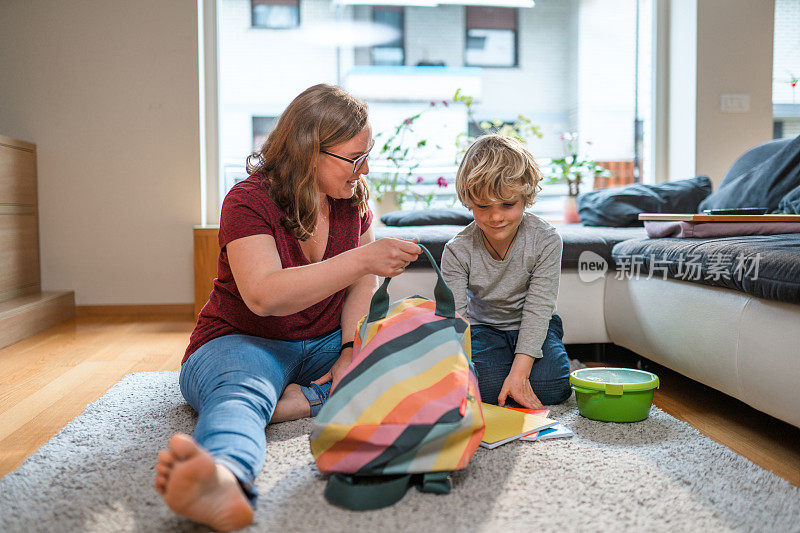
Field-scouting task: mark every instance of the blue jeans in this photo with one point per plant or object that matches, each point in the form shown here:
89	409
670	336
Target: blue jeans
234	383
493	353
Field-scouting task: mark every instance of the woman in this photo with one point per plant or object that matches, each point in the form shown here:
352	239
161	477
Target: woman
297	269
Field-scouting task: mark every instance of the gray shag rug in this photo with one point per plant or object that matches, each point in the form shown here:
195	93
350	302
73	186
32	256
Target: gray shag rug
658	475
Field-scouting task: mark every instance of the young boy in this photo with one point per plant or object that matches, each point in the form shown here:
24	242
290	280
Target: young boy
504	270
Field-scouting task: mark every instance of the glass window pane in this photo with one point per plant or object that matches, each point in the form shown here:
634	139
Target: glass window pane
277	17
392	52
786	70
570	75
262	126
392	18
382	55
490	48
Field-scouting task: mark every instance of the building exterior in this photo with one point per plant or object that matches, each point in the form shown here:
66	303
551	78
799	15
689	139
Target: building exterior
568	65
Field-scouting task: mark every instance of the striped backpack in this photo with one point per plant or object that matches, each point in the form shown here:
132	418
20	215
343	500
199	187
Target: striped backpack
407	408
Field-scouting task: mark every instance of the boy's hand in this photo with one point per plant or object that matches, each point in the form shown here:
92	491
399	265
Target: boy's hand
518	386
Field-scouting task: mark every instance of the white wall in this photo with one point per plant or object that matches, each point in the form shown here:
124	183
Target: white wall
108	91
733	56
734	43
435	34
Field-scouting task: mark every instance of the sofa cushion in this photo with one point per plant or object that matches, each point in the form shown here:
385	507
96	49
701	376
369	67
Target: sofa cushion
577	238
600	240
762	185
754	157
790	203
764	266
620	206
428	217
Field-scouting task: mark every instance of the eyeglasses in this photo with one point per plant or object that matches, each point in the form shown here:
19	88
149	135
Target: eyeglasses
357	163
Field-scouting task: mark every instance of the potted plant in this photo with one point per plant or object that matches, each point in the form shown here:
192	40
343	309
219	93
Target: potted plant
521	129
389	189
401	150
572	169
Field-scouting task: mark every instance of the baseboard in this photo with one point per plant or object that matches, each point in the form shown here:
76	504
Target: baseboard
26	316
177	310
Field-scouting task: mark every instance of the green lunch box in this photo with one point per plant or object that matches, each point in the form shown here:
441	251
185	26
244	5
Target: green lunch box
614	394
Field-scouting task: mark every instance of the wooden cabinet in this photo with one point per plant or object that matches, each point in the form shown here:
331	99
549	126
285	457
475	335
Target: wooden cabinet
206	255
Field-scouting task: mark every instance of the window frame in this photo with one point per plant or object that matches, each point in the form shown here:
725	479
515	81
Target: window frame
211	176
253	119
515	31
291	3
402	11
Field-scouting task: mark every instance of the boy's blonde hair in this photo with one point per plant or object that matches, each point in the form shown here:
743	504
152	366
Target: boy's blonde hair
497	169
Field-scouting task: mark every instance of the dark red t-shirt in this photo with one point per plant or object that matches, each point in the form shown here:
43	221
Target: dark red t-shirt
248	210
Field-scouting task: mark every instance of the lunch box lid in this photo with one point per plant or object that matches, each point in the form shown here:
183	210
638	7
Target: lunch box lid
614	380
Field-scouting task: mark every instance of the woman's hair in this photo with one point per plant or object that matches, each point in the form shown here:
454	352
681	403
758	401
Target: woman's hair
497	169
320	117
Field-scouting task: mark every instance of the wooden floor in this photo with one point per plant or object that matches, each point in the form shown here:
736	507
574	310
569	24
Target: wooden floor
48	379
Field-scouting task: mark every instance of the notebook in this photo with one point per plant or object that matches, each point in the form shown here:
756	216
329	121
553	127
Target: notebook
539	412
504	425
556	432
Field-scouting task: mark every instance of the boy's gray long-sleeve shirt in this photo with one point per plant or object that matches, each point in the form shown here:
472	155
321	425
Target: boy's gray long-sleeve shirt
518	293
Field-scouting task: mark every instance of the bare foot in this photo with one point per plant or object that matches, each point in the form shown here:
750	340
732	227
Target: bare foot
194	486
292	405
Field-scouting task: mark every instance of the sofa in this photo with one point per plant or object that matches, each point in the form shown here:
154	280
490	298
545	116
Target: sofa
739	336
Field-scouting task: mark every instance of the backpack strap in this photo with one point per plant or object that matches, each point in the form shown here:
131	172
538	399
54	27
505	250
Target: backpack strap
445	303
345	491
435	482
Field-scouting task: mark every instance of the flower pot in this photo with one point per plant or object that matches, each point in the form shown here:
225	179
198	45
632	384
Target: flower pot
571	210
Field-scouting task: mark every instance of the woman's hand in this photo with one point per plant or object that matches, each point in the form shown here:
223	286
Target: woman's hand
337	370
518	386
388	257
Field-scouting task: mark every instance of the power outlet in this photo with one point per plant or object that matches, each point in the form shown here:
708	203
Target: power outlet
734	103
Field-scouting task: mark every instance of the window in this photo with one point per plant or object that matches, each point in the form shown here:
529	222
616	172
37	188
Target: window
391	53
276	14
262	126
474	131
557	63
491	37
786	70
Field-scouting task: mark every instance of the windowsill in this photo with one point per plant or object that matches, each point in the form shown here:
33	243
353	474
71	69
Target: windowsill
509	67
202	228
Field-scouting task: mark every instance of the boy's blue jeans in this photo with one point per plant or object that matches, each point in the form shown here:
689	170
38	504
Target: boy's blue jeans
493	353
234	383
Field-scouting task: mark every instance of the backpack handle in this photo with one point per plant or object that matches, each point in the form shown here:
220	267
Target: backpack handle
345	491
445	302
